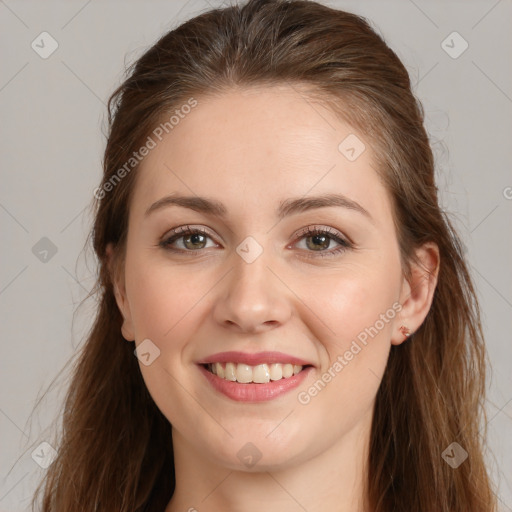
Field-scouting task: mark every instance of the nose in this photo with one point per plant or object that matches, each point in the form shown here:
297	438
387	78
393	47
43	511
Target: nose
252	298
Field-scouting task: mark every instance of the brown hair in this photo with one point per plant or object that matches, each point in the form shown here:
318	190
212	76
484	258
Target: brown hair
115	450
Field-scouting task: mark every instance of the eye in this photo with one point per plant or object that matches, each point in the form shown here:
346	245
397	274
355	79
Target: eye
192	239
318	239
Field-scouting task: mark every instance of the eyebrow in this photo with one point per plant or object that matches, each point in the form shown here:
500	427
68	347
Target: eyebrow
286	207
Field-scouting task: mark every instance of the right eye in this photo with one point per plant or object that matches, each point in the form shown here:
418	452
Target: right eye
192	239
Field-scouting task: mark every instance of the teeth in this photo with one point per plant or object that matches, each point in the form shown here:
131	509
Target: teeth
276	371
260	374
287	370
229	373
243	373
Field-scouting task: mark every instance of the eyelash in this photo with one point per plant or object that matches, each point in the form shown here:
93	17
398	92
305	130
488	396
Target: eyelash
310	231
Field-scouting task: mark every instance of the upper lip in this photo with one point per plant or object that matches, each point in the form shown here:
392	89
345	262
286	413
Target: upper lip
253	359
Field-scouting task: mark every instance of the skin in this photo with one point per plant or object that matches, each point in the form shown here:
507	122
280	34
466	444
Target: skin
251	149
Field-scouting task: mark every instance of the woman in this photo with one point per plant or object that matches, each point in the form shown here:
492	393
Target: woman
272	251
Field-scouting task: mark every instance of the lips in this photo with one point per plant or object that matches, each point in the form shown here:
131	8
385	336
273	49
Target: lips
256	377
252	392
254	359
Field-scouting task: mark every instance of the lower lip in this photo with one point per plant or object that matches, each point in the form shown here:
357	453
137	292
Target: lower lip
255	392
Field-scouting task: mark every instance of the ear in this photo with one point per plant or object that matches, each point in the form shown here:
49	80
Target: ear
417	291
120	294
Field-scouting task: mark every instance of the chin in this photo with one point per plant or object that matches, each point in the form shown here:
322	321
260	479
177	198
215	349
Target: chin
257	451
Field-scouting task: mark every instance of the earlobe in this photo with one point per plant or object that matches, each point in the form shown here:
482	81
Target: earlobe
417	292
120	295
405	331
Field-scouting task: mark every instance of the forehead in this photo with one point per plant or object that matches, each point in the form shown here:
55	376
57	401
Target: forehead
251	145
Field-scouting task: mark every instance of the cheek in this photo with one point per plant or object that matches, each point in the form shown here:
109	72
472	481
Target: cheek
166	305
351	303
163	299
354	325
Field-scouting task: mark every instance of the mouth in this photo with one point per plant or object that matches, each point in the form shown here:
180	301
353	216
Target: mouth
257	374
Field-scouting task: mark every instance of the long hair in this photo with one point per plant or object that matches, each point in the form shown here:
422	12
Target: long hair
115	449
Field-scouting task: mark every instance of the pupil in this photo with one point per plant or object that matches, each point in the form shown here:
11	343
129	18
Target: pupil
319	240
194	239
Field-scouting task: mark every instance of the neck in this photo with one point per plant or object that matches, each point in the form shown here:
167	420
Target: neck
333	480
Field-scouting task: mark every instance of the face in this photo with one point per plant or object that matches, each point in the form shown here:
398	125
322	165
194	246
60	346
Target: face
266	271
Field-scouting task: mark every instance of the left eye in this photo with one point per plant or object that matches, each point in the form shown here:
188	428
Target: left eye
317	240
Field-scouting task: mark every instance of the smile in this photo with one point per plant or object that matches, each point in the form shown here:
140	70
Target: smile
259	374
226	381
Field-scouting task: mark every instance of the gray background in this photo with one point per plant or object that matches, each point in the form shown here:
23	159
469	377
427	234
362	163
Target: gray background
51	142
